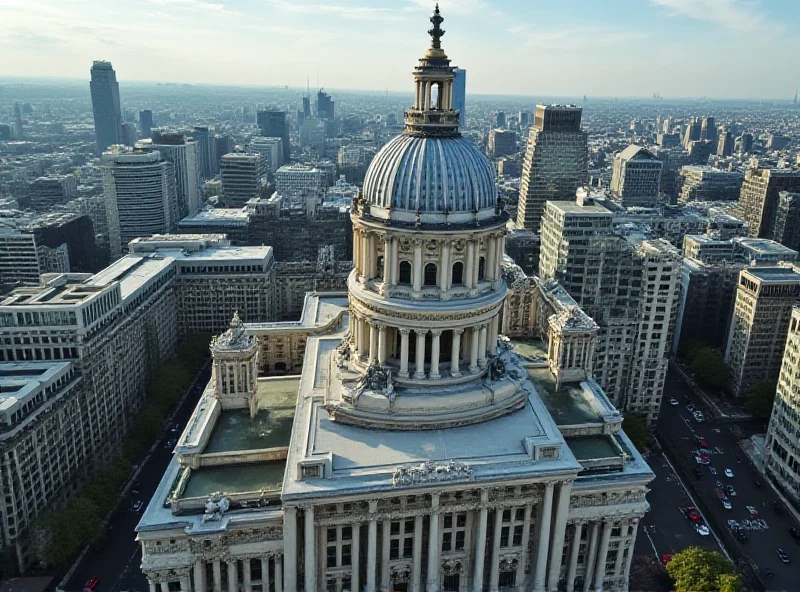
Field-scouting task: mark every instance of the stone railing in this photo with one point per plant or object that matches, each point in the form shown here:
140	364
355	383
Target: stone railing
238	457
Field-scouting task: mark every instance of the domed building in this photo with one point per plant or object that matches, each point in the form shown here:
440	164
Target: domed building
417	449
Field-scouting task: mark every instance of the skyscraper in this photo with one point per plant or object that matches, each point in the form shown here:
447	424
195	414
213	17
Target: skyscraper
460	96
708	130
273	125
182	153
692	133
636	180
325	106
19	133
146	123
241	176
205	150
725	144
758	200
105	105
556	162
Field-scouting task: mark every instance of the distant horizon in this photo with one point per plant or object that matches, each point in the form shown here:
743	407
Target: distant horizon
42	80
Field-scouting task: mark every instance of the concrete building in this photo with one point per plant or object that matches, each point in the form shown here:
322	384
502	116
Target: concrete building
294	279
242	177
205	151
523	496
139	193
502	142
709	280
312	135
744	144
787	220
273	125
105	105
708	130
234	223
636	180
46	192
781	450
758	201
705	183
145	123
765	297
182	153
692	133
629	285
299	179
725	144
556	162
23	260
325	106
270	149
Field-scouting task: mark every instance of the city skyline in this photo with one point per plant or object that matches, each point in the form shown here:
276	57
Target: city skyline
586	50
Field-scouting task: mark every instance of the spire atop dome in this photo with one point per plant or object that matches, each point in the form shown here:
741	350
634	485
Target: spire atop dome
437	32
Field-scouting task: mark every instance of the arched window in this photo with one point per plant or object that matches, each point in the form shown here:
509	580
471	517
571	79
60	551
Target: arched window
430	274
405	272
481	268
458	274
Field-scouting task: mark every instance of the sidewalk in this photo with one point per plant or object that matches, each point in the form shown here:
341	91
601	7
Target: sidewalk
756	457
728	414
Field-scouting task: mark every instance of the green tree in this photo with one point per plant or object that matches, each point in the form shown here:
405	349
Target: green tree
700	570
635	428
709	368
760	399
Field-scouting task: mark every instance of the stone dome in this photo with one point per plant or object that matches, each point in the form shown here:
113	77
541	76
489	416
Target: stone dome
430	175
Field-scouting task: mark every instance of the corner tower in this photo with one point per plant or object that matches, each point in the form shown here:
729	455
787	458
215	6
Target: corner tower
426	291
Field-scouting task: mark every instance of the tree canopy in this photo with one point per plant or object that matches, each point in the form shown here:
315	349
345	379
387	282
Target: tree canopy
635	427
701	570
708	367
760	399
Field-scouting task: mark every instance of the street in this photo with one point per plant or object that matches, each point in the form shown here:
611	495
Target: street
765	527
115	559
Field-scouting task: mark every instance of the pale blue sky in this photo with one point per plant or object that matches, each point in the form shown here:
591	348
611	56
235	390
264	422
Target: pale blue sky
714	48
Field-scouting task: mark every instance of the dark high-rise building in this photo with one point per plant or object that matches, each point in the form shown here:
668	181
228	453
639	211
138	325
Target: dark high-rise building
787	220
146	123
758	201
556	162
500	120
700	151
105	105
502	142
71	229
744	144
5	133
222	146
708	129
325	106
18	131
273	125
460	95
725	144
306	106
205	145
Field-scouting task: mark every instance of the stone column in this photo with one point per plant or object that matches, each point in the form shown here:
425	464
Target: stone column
354	553
164	586
436	344
217	568
488	267
444	274
492	345
290	548
474	346
500	251
373	255
494	568
395	260
372	547
358	326
602	555
265	573
417	266
477	264
381	344
480	542
279	559
574	551
591	556
152	585
627	573
199	576
385	555
419	371
559	528
248	584
455	355
543	539
310	550
623	534
186	584
434	547
373	343
233	576
469	268
403	353
387	260
482	347
416	568
526	534
427	95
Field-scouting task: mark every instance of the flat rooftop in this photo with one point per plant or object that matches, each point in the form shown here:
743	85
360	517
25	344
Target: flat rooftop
270	428
573	207
232	216
763	245
530	349
567	405
235	479
592	447
774	274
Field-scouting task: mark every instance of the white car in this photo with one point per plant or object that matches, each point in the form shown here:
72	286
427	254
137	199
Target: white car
674	402
698	416
702	529
729	473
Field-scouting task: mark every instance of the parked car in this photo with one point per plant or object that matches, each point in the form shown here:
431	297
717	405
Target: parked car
90	584
701	441
170	443
699	417
692	514
175	427
665	558
782	554
702	529
730	490
729	473
712	469
674	402
752	509
137	506
690	408
703	459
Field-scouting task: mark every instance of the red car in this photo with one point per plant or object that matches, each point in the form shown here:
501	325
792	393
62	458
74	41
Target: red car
90	584
692	514
703	443
665	558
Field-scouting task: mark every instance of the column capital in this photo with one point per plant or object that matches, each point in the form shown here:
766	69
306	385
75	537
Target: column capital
458	331
404	330
436	332
381	327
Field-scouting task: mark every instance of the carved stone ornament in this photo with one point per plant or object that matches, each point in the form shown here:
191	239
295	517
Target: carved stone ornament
400	573
431	472
216	506
509	562
376	379
497	368
452	566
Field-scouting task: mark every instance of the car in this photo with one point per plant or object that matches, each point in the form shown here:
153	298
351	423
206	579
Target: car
704	451
712	469
698	417
752	509
702	529
729	473
170	443
727	504
137	506
690	408
692	514
701	441
674	402
175	427
730	491
783	556
795	534
90	584
703	459
665	558
767	573
718	483
740	534
698	473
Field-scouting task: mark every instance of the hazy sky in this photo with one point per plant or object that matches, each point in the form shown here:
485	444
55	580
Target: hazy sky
714	48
